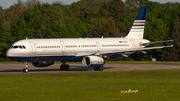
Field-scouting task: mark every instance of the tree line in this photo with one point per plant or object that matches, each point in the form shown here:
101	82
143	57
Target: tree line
91	18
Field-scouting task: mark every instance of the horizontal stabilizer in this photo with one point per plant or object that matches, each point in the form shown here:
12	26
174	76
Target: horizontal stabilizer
156	42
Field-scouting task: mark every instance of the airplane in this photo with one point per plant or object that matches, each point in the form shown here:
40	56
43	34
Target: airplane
93	52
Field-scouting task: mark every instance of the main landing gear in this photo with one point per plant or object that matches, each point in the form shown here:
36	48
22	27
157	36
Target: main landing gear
25	70
64	67
99	68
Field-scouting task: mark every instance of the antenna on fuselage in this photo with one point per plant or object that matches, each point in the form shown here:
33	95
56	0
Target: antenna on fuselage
102	37
26	38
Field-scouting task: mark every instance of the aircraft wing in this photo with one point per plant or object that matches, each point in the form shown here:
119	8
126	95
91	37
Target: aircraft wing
156	42
131	50
120	51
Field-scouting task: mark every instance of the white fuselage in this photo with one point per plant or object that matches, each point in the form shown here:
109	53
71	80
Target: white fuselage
46	49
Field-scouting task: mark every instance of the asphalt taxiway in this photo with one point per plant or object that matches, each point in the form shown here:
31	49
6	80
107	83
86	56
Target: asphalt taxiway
17	68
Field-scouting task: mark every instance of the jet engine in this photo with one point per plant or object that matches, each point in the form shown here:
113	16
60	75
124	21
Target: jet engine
93	61
42	64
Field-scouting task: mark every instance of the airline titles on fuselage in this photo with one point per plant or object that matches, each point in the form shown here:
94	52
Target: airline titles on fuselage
123	41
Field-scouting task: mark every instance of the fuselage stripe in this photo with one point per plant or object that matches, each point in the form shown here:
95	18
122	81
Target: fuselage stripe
137	28
138	25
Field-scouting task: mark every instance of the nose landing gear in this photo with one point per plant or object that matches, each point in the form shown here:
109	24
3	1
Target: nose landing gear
25	70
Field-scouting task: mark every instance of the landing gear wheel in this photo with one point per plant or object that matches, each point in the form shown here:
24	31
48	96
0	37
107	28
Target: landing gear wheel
25	70
96	68
64	67
99	68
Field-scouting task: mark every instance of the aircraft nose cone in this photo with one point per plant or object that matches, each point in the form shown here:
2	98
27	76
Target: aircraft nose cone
8	53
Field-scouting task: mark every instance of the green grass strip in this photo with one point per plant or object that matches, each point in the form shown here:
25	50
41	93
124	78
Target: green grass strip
153	85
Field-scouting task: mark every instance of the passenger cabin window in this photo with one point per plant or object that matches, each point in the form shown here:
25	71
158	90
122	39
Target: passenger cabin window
115	45
48	46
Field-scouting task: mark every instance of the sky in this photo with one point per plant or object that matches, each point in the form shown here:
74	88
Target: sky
8	3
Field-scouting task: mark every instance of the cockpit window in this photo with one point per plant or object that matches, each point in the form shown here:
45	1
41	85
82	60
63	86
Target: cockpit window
15	47
24	47
18	47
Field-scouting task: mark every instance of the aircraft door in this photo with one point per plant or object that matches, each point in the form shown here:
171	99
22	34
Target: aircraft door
33	47
133	44
98	46
63	47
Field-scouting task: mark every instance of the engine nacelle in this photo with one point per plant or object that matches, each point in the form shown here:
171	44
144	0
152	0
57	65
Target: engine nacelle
93	61
42	64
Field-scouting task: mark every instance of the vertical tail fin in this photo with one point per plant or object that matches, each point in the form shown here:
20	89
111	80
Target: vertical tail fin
137	30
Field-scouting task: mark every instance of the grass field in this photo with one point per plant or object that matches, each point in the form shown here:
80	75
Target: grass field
153	85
